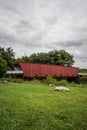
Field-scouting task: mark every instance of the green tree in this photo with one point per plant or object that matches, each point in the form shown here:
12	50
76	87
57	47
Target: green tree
8	55
63	58
40	58
34	58
23	59
3	67
53	57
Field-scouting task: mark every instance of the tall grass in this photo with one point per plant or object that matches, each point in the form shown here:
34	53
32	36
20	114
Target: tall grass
54	82
39	107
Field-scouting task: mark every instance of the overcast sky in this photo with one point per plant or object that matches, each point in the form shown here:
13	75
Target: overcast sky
31	26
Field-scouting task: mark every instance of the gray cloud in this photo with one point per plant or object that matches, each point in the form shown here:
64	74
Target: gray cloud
9	6
23	26
6	38
70	43
37	25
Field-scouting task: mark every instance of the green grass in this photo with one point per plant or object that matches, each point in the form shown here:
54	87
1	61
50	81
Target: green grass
39	107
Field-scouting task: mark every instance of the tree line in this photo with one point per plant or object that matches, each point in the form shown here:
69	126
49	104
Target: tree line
7	56
53	57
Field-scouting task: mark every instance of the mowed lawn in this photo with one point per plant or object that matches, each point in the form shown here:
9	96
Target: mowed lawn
39	107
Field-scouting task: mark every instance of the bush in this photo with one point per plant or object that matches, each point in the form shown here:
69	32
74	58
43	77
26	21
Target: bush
53	81
62	82
81	80
3	67
34	81
50	80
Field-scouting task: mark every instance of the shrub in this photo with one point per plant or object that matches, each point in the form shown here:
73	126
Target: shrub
62	82
50	80
81	80
53	81
35	81
3	67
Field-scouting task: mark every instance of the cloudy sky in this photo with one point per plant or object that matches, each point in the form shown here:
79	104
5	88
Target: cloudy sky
31	26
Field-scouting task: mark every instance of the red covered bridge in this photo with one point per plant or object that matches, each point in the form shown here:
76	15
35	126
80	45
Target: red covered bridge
30	70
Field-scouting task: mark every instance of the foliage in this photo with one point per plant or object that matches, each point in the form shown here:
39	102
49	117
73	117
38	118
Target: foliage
23	59
83	70
81	80
55	82
49	80
62	82
38	107
61	58
53	57
3	67
34	81
8	55
40	58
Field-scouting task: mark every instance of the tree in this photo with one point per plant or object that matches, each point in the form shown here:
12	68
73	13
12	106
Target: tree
3	67
34	58
8	55
53	57
61	58
39	58
23	59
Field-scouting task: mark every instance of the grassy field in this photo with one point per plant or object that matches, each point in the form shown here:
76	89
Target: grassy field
39	107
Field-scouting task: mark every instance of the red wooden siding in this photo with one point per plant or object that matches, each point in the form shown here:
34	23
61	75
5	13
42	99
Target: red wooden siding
42	70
